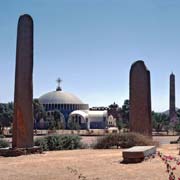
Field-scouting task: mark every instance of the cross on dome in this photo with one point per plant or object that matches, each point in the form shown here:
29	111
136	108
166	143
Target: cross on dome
59	82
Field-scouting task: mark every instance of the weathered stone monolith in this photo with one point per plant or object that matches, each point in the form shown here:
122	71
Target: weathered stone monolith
140	99
172	106
23	116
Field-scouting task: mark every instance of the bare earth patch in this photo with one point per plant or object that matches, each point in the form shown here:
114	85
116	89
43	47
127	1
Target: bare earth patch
92	164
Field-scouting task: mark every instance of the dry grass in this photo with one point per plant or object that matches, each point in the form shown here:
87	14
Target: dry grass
76	164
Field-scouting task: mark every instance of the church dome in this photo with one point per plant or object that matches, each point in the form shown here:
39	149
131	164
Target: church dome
59	97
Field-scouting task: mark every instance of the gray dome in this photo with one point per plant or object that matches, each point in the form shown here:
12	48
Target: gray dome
59	97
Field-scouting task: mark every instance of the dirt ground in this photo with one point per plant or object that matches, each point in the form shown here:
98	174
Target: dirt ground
90	164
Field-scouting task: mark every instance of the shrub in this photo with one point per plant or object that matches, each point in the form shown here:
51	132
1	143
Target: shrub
42	142
2	136
71	142
59	142
107	141
123	140
177	128
3	143
135	139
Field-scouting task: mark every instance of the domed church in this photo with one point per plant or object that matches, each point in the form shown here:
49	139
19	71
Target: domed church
71	110
61	101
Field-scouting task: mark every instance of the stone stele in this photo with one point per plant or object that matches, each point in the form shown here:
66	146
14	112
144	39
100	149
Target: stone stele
140	99
23	116
172	99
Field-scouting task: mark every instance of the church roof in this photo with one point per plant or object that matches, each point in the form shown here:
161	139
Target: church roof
93	116
59	97
83	113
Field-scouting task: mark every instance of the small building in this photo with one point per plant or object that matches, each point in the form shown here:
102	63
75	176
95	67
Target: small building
88	119
111	121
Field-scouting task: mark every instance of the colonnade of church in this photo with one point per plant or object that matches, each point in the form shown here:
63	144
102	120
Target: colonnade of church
66	107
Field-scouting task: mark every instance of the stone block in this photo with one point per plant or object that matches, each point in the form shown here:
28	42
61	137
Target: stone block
138	153
13	152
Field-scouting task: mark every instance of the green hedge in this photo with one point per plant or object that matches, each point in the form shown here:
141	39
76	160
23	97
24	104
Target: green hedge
123	140
59	142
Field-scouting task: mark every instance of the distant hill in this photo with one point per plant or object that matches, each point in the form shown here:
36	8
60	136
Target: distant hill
167	111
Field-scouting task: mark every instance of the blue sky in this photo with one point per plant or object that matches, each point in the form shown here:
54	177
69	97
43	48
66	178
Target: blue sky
91	45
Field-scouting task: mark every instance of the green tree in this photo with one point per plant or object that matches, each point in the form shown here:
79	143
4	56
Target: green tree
6	115
177	128
73	124
125	113
160	121
38	112
178	114
59	120
120	125
56	120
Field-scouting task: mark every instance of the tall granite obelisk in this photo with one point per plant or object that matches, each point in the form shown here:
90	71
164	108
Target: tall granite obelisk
23	115
172	101
140	99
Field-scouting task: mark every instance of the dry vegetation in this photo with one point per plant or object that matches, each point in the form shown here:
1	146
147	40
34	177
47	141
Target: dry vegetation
123	140
90	164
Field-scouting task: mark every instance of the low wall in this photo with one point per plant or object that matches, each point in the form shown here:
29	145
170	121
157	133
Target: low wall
91	132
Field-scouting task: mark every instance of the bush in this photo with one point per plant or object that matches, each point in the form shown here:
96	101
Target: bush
177	128
2	136
135	139
42	142
59	142
3	143
123	140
